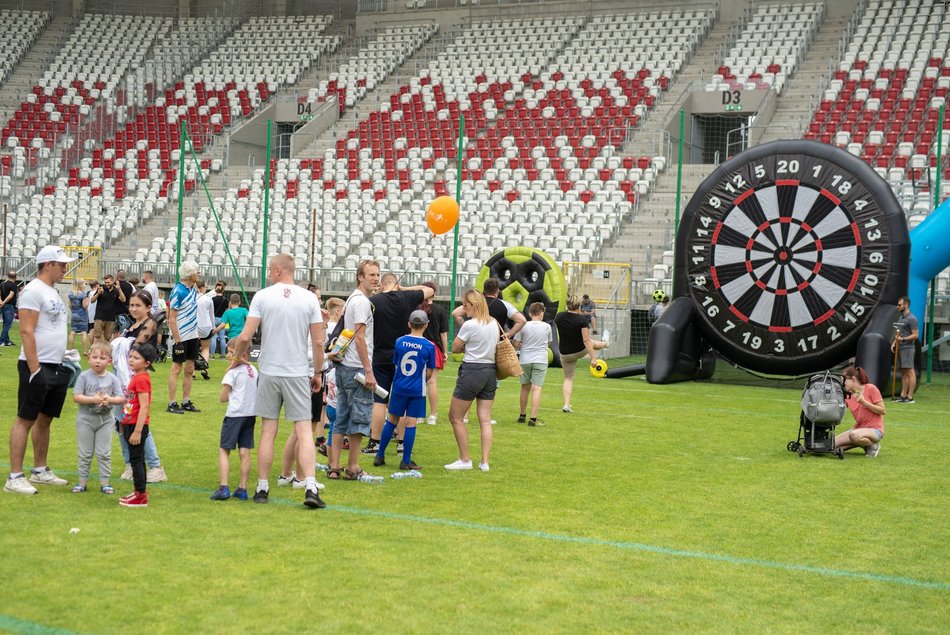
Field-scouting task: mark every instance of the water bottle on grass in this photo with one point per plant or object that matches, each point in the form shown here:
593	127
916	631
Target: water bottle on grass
409	474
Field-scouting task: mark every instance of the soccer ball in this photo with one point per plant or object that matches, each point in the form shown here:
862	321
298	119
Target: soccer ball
659	295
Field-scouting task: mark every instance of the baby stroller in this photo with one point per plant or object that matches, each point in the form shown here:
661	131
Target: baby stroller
823	408
162	328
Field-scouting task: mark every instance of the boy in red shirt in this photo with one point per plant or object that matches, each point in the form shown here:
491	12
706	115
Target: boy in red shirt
134	426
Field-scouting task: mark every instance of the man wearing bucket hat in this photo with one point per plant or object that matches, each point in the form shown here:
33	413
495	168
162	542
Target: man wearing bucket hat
44	380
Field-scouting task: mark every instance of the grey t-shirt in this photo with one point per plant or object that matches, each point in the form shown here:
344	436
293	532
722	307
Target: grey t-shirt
90	384
907	324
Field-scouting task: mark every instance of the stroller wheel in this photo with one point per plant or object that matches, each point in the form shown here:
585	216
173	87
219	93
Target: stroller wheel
792	446
801	451
840	453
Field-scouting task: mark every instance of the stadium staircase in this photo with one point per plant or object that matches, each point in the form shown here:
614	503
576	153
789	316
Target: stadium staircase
797	104
33	63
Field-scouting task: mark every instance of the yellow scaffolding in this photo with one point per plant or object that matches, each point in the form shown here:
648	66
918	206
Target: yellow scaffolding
87	262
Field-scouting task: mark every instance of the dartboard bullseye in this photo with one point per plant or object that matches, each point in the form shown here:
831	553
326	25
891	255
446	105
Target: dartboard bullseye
785	251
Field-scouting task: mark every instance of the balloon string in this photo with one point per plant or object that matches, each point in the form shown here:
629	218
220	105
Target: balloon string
418	259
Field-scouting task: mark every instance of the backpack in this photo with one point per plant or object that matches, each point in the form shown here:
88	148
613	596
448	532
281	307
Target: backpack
823	399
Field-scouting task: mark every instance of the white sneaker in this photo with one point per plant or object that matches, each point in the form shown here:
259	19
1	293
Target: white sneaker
46	477
465	420
432	420
287	480
567	408
493	422
459	465
872	451
127	474
156	475
483	467
605	338
19	485
302	485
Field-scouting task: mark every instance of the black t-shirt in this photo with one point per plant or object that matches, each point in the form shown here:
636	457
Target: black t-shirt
391	321
128	290
5	288
499	310
220	305
569	327
108	305
438	324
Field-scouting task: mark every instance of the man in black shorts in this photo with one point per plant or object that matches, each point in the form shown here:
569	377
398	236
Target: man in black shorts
44	380
183	325
392	307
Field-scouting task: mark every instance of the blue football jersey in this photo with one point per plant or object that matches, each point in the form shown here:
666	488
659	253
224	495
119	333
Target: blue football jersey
413	355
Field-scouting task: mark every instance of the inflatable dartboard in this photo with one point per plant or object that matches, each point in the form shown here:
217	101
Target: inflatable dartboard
786	250
526	275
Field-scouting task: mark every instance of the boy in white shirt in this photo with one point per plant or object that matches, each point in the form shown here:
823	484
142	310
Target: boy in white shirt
533	340
239	390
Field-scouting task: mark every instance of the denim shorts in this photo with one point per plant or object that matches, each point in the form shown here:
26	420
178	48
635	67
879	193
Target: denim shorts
237	432
354	403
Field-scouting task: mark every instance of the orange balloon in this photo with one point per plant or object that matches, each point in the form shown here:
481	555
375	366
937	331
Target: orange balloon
442	214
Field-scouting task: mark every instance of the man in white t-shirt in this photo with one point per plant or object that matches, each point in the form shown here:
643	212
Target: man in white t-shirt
44	380
533	340
152	289
354	401
287	315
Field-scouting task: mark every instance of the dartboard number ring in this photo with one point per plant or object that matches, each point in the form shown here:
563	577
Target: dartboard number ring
787	255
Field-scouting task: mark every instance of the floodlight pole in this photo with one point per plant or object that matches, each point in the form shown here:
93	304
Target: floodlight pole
455	241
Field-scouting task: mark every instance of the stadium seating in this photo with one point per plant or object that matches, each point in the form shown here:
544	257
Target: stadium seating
769	48
116	187
545	117
373	63
83	82
883	102
18	31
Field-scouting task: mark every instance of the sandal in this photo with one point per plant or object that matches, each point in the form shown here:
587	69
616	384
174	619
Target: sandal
333	474
353	476
78	488
106	489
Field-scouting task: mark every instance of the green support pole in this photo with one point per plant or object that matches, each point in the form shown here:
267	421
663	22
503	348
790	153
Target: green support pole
266	205
933	283
679	178
181	197
217	221
455	242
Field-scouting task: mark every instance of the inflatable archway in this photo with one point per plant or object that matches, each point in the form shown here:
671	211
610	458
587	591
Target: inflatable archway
526	275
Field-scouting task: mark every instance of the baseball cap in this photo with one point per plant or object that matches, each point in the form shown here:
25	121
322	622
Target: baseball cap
418	317
52	253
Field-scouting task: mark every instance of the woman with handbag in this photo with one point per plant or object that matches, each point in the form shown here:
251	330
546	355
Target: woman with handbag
573	338
478	339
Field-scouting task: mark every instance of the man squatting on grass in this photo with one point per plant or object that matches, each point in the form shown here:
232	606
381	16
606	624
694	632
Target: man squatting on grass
43	379
286	314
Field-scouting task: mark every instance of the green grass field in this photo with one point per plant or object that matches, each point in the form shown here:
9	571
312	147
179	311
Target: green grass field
649	509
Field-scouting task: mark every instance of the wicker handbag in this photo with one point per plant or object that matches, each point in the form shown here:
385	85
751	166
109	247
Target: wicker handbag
506	359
